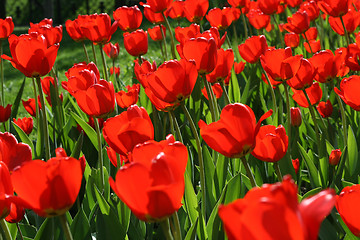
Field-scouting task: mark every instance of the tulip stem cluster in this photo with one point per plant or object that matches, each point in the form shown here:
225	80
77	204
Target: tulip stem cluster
85	51
100	156
65	227
104	63
171	36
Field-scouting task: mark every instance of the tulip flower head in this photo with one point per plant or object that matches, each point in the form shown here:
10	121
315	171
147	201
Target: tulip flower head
295	115
6	188
126	99
296	165
314	93
195	10
112	50
348	91
334	157
25	123
253	48
325	109
156	33
129	18
292	40
176	10
6	27
220	18
5	113
136	43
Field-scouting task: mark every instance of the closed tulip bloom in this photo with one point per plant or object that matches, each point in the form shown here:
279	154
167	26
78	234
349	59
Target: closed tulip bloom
124	131
271	143
349	89
292	40
30	106
351	21
325	109
5	113
334	157
269	7
293	3
314	44
112	50
239	67
129	18
303	77
98	28
126	99
117	71
310	34
6	188
176	10
220	18
352	57
238	3
173	81
314	92
73	28
234	134
334	8
158	6
31	55
113	158
155	32
253	48
13	154
217	89
295	115
296	165
273	212
151	16
258	19
45	84
16	214
53	35
25	123
311	8
298	23
184	33
225	61
195	10
48	188
347	204
327	65
6	27
136	43
77	76
156	171
202	50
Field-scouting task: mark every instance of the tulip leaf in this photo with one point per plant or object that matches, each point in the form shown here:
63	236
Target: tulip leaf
50	227
15	106
124	214
351	163
234	88
77	148
108	226
90	132
80	227
314	179
24	138
192	231
39	148
234	185
27	230
190	200
324	161
221	174
104	206
311	193
209	176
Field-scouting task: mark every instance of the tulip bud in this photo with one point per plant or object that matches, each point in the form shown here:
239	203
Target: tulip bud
335	157
295	114
296	164
325	109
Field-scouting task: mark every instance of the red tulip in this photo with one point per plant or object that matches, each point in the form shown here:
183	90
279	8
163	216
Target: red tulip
269	7
352	57
310	34
220	18
48	188
311	8
176	9
184	33
205	55
253	48
293	3
273	212
159	103
158	6
113	158
291	40
141	71
295	116
213	32
31	56
136	43
173	81
126	99
334	157
53	35
271	143
239	67
216	88
272	81
327	65
16	214
157	172
195	10
13	154
92	124
314	93
303	77
6	27
98	28
334	8
25	123
239	3
347	204
155	32
298	23
73	28
349	88
225	61
296	165
30	106
258	19
129	18
351	20
234	134
315	46
5	113
117	71
6	188
112	50
154	18
124	131
325	109
45	84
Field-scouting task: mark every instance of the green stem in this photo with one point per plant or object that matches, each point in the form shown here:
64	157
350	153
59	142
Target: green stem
2	98
312	113
94	53
201	160
164	41
101	161
65	227
104	63
116	85
177	128
307	40
162	51
177	233
278	172
171	36
5	229
244	23
288	109
271	89
248	172
44	119
343	118
19	231
345	31
280	33
227	99
166	229
211	102
85	51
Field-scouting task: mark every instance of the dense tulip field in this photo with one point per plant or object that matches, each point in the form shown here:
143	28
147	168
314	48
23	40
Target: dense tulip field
244	125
